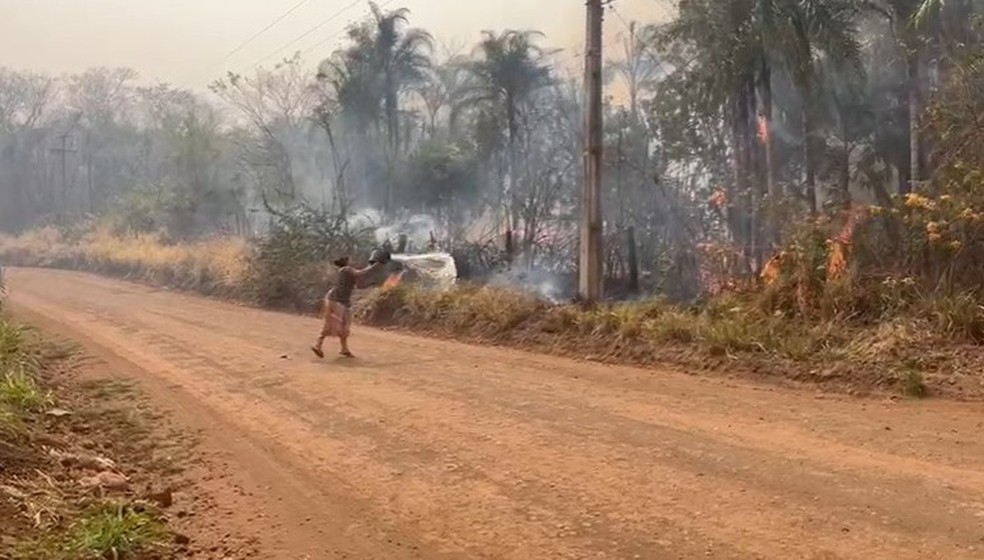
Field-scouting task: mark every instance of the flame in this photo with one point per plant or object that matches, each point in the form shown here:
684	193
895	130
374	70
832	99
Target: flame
718	200
393	280
763	129
770	272
839	249
837	262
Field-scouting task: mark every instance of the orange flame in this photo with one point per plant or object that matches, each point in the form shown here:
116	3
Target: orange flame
770	272
718	200
837	261
839	249
393	280
763	129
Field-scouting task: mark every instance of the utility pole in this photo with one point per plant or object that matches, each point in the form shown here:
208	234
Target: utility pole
64	150
590	253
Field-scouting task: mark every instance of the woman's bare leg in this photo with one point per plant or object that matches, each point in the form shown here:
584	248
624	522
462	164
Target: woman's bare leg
317	348
345	349
326	329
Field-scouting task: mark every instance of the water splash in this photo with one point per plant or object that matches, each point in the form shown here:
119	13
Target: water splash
437	269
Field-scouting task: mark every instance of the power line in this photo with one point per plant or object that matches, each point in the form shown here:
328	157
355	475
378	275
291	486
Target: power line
258	34
293	41
336	34
262	31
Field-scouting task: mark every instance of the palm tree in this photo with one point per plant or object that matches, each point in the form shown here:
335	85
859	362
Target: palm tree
917	24
509	68
402	57
383	61
445	87
907	17
355	87
811	29
723	52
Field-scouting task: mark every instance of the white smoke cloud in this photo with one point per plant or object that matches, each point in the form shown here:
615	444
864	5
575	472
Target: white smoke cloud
417	228
547	285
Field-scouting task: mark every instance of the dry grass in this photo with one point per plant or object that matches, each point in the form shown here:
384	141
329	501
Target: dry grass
935	352
748	332
216	266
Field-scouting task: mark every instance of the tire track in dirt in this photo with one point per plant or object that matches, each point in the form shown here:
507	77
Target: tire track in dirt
429	449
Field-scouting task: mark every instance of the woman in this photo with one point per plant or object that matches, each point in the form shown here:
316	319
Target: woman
338	302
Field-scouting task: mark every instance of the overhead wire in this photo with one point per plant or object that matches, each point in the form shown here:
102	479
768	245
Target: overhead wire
307	33
258	34
336	34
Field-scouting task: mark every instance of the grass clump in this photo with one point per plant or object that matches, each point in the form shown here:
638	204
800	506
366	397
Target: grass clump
11	342
107	530
116	531
11	426
914	384
20	391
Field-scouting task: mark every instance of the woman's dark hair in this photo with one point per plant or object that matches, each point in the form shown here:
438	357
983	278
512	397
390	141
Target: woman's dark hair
340	262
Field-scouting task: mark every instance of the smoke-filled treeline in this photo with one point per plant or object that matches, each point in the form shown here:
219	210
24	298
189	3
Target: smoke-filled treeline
729	119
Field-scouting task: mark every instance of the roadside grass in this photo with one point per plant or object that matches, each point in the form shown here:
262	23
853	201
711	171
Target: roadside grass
913	384
47	513
855	336
20	391
212	267
106	530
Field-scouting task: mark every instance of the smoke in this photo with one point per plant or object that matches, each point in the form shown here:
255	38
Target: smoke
418	228
550	286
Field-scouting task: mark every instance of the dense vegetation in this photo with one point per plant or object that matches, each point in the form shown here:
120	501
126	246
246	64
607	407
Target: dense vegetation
813	163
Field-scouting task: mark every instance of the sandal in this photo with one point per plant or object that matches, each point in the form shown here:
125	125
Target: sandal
317	352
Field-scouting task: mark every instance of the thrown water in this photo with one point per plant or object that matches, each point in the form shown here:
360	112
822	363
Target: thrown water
438	268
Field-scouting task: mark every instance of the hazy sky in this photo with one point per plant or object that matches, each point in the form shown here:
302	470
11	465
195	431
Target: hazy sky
184	41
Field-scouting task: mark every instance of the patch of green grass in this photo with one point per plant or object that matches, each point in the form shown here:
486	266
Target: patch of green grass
960	316
735	334
116	531
11	341
674	327
106	531
20	391
913	384
11	427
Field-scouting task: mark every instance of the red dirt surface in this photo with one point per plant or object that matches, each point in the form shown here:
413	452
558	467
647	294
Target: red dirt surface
424	448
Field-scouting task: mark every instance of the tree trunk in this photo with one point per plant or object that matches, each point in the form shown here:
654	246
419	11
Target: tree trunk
915	152
392	117
393	131
633	261
514	200
737	206
453	122
770	159
845	163
809	164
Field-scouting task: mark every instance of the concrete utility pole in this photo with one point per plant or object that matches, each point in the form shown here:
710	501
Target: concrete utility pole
590	257
64	150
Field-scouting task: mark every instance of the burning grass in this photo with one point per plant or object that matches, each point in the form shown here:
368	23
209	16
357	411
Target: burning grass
731	334
804	322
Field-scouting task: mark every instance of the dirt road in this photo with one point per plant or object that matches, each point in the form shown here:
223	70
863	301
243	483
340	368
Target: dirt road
427	449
